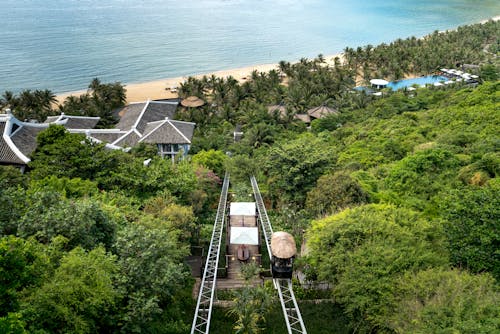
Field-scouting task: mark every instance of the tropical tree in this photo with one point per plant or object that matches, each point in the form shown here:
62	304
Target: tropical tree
446	301
364	251
472	223
80	298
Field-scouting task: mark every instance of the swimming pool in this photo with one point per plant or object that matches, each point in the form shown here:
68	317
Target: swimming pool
421	81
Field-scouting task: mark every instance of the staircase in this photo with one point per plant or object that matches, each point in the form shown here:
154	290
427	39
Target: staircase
234	279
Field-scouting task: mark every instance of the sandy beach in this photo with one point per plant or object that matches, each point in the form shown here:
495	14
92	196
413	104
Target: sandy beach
160	89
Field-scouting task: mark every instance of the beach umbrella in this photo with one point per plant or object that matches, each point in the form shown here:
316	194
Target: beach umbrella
322	111
192	102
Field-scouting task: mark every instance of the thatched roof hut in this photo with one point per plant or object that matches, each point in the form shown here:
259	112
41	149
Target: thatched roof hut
192	102
283	245
303	117
278	108
322	111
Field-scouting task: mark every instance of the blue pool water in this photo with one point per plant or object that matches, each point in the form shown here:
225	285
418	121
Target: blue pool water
421	81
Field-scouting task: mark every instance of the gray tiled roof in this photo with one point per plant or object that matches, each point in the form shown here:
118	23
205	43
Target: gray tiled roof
129	115
150	122
186	128
151	126
156	111
51	119
6	154
133	114
80	122
25	138
170	132
106	137
128	140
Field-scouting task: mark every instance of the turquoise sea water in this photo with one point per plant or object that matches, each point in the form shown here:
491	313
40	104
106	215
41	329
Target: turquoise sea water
62	44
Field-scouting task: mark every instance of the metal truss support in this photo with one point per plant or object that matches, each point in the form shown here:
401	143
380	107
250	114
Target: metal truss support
264	219
291	311
201	320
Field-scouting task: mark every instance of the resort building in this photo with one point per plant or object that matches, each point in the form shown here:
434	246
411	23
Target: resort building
379	83
145	122
148	122
18	138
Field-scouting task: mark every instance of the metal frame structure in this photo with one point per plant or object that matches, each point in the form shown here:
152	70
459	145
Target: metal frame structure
203	313
291	311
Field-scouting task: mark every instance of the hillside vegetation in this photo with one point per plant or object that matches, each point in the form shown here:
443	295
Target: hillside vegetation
396	199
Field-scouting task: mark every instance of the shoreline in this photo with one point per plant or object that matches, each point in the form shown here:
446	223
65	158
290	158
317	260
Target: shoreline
159	89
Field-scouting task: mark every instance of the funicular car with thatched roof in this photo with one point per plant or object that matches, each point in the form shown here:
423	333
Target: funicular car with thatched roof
283	252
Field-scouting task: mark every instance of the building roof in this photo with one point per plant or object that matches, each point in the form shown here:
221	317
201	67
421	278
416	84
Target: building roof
283	245
242	209
7	153
137	115
18	139
277	109
129	139
168	131
244	236
25	138
129	115
379	82
149	122
74	122
104	136
321	111
303	117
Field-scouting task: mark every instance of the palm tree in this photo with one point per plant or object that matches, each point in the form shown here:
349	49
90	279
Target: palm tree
8	100
250	304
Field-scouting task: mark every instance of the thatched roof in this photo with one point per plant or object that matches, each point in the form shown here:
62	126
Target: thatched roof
192	102
322	111
283	245
278	109
303	117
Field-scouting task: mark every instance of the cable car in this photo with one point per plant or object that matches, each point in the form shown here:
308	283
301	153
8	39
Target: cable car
283	252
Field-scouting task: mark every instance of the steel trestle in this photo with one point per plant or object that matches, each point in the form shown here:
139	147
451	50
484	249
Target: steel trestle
291	311
203	313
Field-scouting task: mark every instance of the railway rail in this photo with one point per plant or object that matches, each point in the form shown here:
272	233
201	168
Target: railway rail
203	312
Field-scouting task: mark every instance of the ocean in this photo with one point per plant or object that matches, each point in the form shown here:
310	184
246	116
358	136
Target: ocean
62	44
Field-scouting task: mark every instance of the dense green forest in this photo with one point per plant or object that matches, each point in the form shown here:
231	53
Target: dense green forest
395	198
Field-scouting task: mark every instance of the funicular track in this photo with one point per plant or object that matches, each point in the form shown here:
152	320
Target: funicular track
201	320
203	313
291	311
